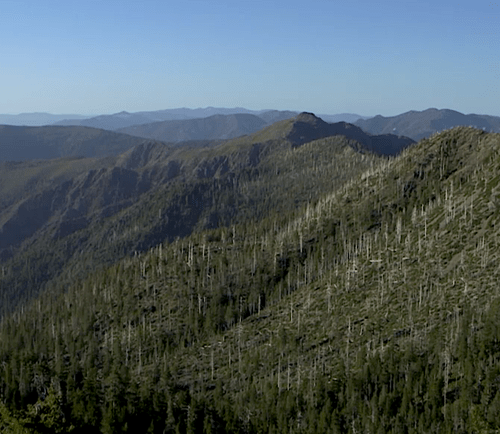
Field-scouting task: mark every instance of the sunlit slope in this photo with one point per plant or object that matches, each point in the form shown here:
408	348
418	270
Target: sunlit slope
20	179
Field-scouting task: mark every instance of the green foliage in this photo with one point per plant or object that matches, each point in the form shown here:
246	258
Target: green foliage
372	308
9	424
46	415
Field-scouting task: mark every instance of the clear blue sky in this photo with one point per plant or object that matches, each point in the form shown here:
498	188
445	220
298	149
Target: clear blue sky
364	57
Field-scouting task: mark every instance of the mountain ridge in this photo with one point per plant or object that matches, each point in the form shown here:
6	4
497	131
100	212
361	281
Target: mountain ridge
420	124
383	144
70	197
126	119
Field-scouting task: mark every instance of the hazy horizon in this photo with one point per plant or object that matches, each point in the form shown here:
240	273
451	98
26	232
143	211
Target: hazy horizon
359	57
200	108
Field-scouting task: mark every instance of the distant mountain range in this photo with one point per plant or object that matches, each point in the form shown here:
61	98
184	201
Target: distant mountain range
343	117
28	143
418	125
108	122
124	119
176	125
25	143
38	119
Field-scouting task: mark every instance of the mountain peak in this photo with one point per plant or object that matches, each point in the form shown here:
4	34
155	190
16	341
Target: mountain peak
308	127
307	117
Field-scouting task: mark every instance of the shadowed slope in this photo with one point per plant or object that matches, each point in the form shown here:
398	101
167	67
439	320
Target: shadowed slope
30	143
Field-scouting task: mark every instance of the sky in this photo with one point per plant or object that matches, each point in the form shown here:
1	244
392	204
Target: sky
326	57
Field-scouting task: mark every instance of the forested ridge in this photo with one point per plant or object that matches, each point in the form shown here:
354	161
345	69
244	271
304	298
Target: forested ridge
69	216
372	306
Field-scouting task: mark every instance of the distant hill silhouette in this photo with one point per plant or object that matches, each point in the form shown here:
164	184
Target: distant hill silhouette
38	119
125	119
343	117
418	125
109	122
30	143
272	116
212	127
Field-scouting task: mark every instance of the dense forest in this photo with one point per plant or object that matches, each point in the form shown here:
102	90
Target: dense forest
338	291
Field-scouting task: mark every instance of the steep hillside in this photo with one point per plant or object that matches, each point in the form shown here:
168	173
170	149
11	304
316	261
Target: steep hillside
418	125
31	143
20	179
373	309
106	209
